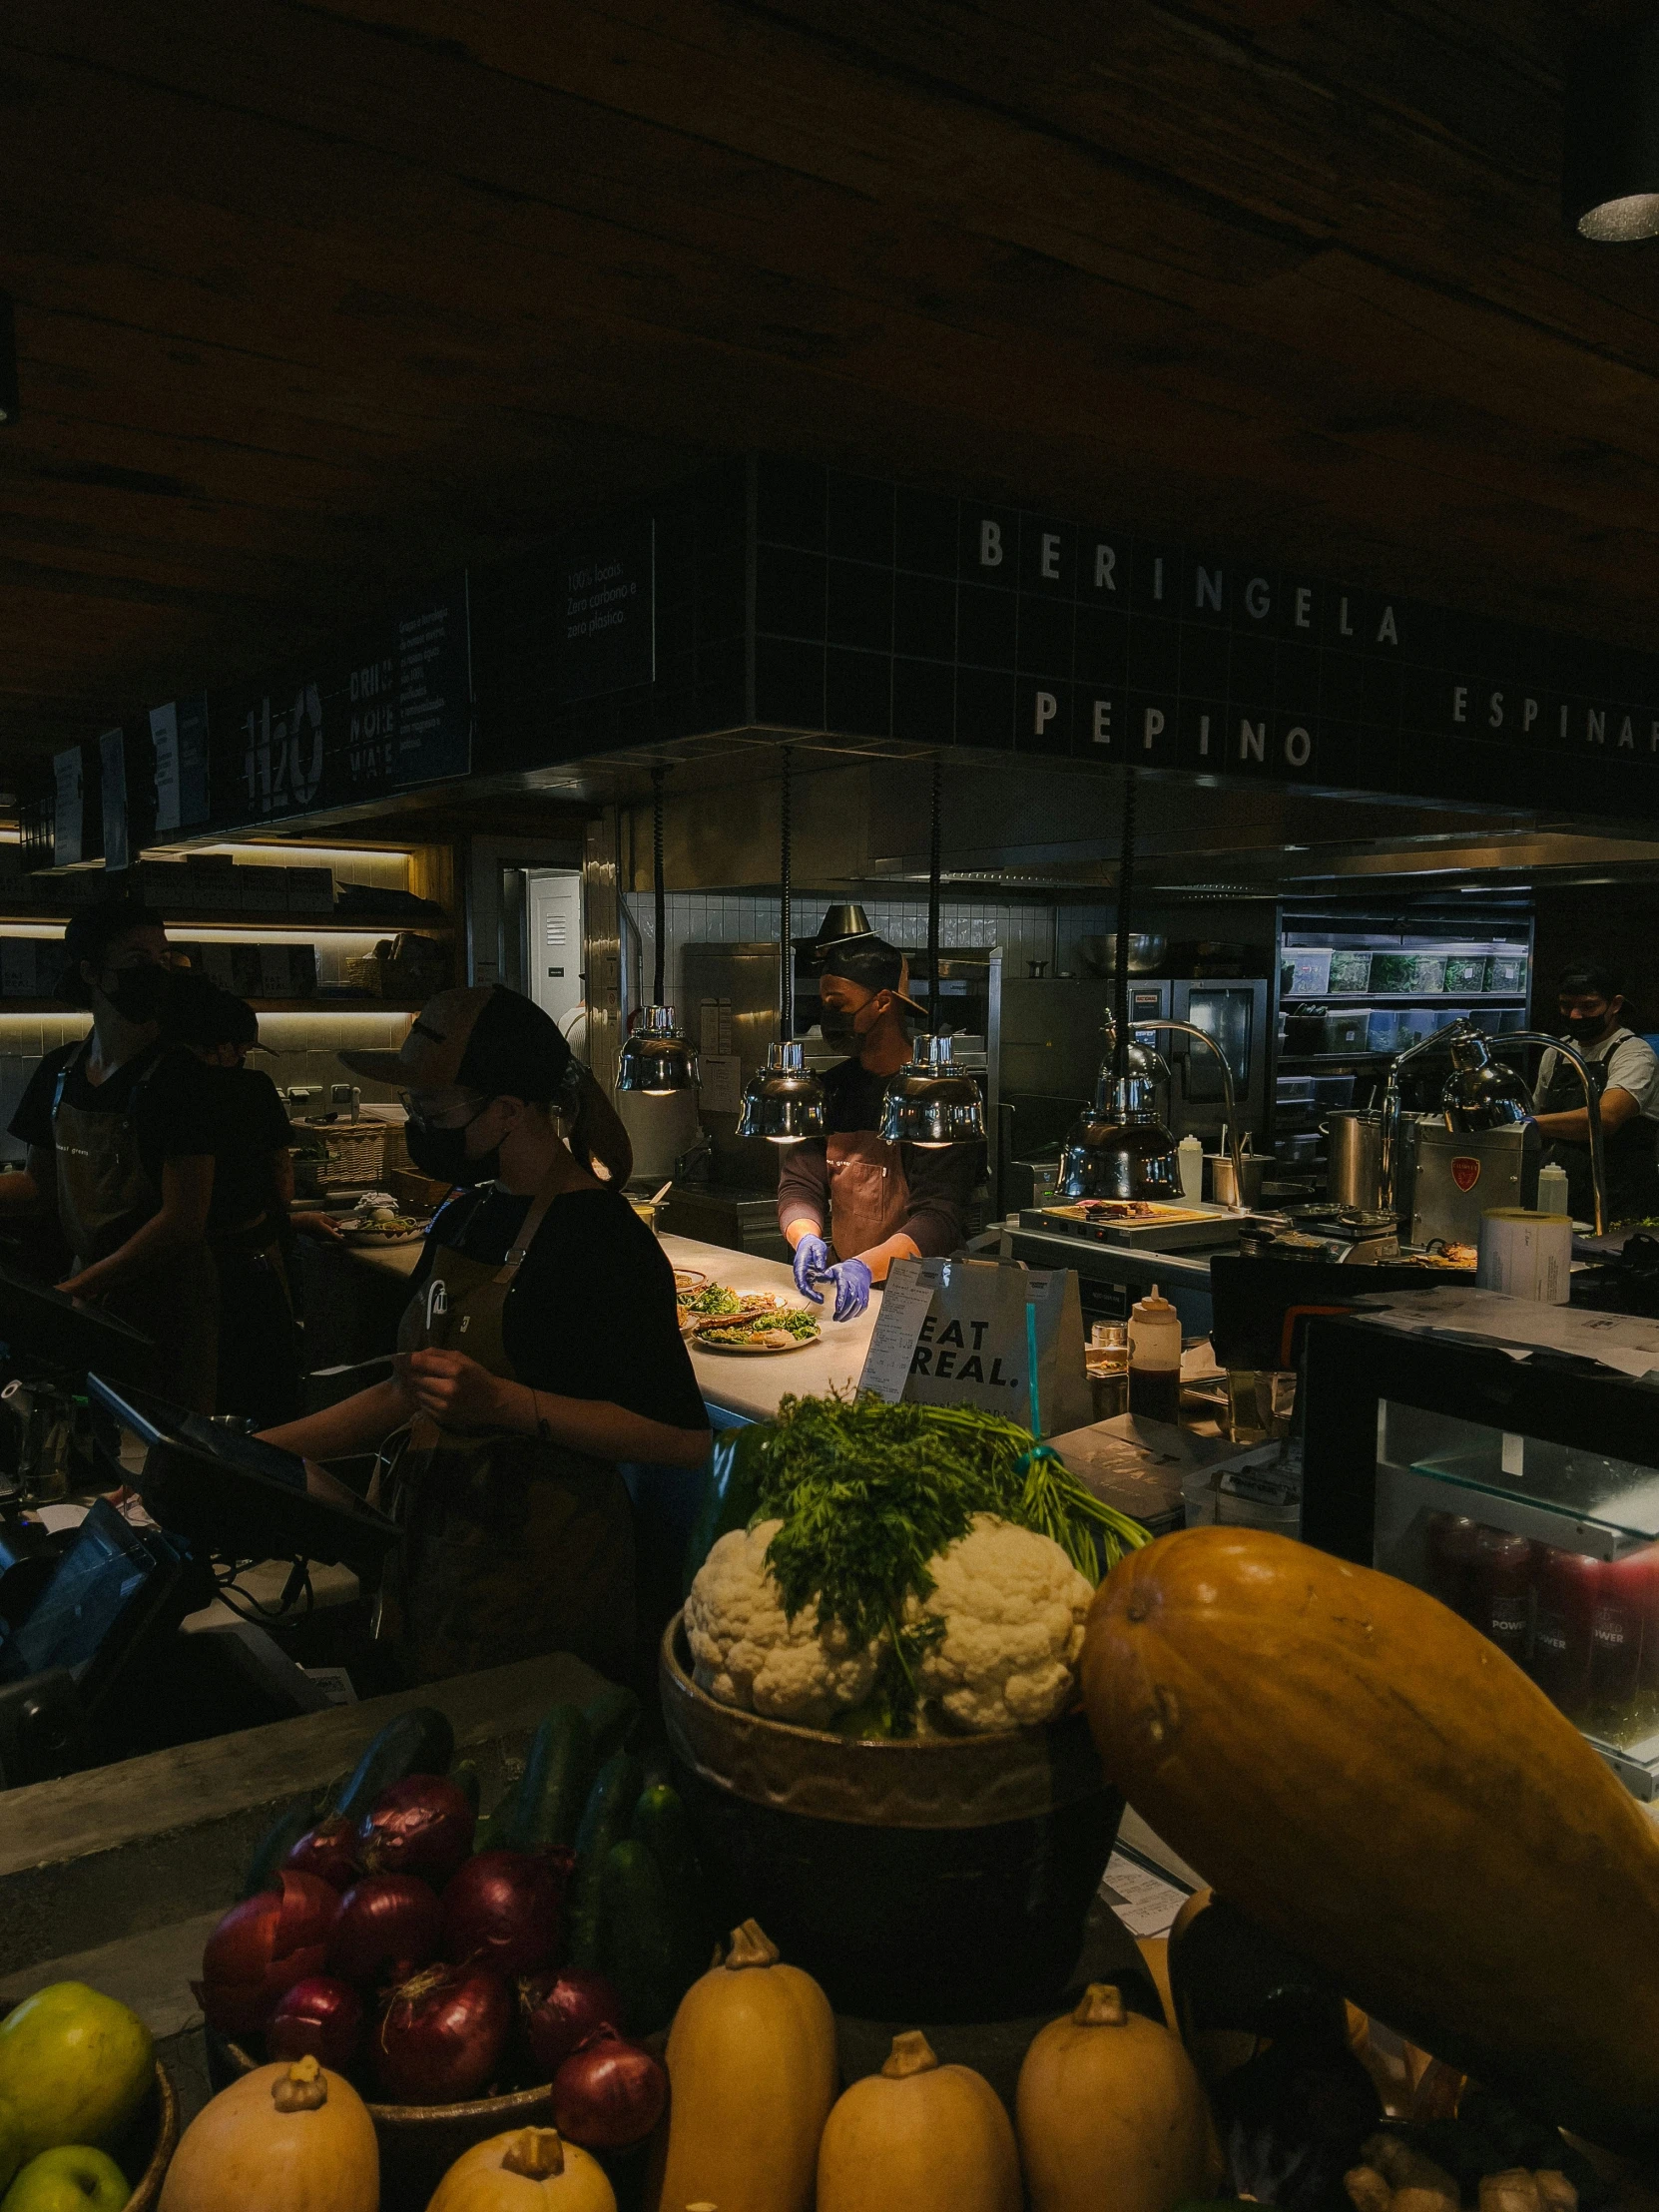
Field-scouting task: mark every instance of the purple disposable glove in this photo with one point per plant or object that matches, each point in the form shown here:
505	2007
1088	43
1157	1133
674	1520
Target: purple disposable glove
851	1279
811	1261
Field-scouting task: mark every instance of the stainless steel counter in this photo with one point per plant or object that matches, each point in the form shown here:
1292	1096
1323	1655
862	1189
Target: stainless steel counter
1112	1277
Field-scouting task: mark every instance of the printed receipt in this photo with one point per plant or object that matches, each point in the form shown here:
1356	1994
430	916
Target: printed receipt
905	1305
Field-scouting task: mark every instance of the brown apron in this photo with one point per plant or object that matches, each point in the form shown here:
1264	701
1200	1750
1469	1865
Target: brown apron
869	1198
513	1546
104	1193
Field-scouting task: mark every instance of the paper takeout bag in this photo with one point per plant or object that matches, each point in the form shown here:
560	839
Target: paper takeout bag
954	1332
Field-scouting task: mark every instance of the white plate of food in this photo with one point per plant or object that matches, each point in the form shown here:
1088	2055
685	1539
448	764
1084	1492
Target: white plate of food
772	1330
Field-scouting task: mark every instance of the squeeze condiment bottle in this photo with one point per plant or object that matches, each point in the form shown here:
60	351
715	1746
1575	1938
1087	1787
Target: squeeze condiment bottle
1155	1358
1189	1165
1552	1189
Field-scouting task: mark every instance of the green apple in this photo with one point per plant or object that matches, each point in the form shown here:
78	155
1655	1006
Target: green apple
11	2144
73	2068
73	2178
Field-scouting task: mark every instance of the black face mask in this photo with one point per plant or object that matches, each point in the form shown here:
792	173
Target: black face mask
443	1154
837	1029
1587	1028
141	994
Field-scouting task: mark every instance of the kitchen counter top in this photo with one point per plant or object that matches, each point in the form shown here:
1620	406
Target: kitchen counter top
744	1386
747	1385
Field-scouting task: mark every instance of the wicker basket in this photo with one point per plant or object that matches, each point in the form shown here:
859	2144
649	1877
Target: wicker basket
934	1878
155	2131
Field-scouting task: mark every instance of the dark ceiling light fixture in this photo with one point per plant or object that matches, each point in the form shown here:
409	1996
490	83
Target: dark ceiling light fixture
657	1059
930	1103
1610	134
1121	1148
783	1101
8	362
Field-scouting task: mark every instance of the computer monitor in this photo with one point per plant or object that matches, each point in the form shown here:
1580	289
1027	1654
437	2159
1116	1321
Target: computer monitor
113	1586
236	1495
37	1321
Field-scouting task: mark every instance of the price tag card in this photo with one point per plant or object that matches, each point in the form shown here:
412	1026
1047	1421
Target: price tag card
720	1076
905	1303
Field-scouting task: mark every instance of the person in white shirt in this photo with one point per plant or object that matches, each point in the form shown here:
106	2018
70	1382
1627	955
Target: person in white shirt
1590	1004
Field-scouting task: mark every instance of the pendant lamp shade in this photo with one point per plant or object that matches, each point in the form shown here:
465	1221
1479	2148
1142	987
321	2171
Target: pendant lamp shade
657	1059
1122	1147
1480	1092
783	1101
1610	136
843	920
929	1103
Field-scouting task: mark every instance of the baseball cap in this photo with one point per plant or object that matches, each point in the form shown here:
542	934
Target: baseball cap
481	1037
874	964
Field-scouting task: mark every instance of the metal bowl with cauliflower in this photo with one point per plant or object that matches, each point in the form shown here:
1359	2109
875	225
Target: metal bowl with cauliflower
899	1570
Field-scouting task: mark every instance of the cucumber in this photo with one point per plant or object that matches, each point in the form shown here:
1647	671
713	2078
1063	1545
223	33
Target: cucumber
546	1808
610	1808
466	1778
638	1951
613	1718
275	1844
660	1824
417	1742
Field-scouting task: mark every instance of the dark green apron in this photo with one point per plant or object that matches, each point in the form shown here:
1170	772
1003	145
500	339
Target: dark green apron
104	1193
512	1546
1631	1153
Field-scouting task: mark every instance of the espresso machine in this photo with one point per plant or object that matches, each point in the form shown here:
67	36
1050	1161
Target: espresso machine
1481	1150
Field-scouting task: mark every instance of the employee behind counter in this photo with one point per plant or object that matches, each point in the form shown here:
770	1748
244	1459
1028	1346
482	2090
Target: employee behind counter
850	1204
121	1138
540	1348
1590	1005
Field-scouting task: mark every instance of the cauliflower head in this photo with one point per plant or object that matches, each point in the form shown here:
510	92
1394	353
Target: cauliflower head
746	1652
1013	1608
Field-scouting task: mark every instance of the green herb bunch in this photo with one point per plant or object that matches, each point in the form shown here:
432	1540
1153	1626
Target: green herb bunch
868	1492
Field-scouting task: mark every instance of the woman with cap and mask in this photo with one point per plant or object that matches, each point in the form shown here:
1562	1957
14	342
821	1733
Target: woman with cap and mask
541	1347
121	1143
851	1204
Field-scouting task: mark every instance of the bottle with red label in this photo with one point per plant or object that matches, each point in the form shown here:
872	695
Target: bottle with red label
1624	1609
1452	1551
1565	1589
1504	1592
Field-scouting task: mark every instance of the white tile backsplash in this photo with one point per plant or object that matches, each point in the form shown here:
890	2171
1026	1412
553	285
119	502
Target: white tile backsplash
1025	932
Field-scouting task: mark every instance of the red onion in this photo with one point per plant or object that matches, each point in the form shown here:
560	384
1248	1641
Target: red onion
562	2011
328	1852
608	2094
387	1922
422	1825
503	1909
442	2035
261	1948
319	2016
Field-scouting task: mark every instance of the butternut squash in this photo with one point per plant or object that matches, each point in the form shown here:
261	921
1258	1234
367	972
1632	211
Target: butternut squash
529	2169
1375	1783
752	2075
1110	2110
285	2138
926	2137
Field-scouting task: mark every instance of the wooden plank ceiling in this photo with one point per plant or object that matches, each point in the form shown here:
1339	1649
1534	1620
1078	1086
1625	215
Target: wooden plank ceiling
316	300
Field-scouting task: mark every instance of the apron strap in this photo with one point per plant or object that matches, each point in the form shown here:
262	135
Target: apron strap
527	1233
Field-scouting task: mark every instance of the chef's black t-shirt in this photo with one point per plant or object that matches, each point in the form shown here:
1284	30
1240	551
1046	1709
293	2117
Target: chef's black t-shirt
171	1104
592	1312
251	1126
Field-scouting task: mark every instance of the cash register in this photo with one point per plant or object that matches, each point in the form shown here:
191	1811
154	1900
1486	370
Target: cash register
93	1666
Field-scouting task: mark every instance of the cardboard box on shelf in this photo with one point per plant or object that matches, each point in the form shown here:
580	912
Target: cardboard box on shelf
311	891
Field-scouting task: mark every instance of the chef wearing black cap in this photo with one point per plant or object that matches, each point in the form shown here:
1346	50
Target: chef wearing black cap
540	1348
851	1204
121	1143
